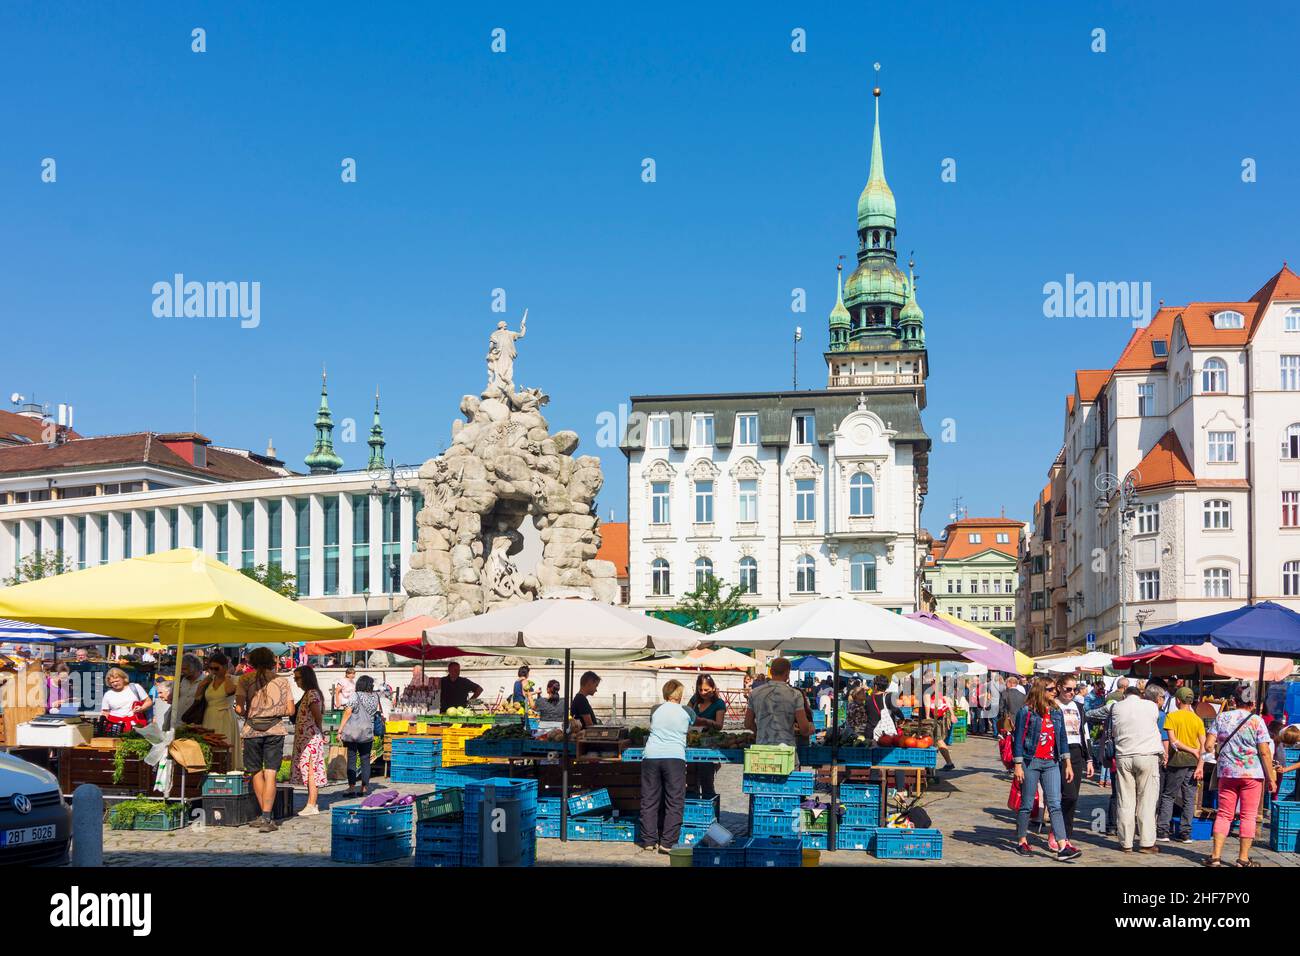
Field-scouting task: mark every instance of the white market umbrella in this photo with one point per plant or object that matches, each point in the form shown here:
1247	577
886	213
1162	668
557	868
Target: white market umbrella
1092	661
582	629
835	624
723	659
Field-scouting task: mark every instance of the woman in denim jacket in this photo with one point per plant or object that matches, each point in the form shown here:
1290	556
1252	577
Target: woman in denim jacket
1040	750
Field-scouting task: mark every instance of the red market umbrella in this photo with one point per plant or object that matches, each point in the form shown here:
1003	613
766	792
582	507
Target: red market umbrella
405	638
1164	662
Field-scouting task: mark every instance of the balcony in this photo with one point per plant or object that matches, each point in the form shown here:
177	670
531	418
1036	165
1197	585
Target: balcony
875	380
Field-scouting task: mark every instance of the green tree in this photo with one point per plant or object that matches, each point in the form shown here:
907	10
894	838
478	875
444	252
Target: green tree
274	577
43	564
714	606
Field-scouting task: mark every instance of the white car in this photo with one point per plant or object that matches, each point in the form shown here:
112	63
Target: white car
35	823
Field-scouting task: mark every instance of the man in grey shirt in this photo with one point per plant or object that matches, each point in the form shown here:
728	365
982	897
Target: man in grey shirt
776	710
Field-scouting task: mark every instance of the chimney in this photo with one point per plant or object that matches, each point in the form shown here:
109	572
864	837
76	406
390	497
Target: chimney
270	449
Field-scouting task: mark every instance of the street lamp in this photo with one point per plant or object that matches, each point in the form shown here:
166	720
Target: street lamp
1123	491
390	495
365	603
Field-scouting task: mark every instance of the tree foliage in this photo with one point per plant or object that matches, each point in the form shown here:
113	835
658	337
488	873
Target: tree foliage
714	606
274	577
42	564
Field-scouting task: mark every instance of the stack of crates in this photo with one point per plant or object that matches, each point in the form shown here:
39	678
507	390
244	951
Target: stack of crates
461	777
370	834
440	828
525	792
592	820
1286	786
960	729
548	818
228	800
776	791
453	745
857	827
1284	829
415	759
902	843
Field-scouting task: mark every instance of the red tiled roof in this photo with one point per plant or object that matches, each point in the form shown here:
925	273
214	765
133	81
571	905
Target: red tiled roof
1137	355
1088	383
956	543
19	429
1069	403
1165	465
1285	284
1198	322
613	545
135	449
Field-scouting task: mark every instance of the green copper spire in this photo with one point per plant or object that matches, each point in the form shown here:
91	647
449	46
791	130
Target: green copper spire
839	318
376	442
322	460
912	318
876	208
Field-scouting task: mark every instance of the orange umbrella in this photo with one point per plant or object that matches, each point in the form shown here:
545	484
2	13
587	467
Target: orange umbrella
401	637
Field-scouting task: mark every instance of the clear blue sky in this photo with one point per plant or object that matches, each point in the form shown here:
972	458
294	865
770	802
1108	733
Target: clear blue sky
522	171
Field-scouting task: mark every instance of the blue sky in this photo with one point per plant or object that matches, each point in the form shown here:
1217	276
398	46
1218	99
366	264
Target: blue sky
522	171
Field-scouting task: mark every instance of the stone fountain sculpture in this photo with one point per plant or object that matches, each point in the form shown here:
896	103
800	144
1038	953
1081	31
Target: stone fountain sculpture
504	467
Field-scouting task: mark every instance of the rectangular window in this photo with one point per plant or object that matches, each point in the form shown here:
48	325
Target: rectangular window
150	519
974	538
703	437
223	532
81	542
804	432
1217	515
957	581
392	545
704	502
1004	538
950	583
1291	321
1148	519
1291	509
748	510
360	544
196	518
302	544
974	585
174	528
805	499
660	432
1290	373
986	584
1223	446
1146	399
747	429
246	537
330	505
274	533
956	612
126	535
1217	583
1008	585
659	511
1148	585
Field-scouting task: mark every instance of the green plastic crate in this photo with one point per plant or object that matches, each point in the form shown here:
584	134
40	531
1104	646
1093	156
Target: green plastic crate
440	806
771	759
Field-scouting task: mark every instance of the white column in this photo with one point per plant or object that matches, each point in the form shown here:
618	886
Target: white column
185	522
345	544
162	529
261	533
26	538
234	538
49	534
288	536
377	584
210	528
94	545
118	524
8	547
317	517
70	540
139	534
406	521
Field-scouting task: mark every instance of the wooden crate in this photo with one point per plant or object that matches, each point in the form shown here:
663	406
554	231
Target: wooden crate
78	765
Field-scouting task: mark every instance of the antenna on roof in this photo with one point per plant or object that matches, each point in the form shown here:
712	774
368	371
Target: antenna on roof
196	404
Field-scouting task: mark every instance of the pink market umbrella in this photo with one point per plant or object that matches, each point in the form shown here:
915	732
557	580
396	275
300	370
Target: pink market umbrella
992	653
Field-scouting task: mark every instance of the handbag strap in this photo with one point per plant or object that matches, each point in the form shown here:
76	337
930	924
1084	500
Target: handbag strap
1218	747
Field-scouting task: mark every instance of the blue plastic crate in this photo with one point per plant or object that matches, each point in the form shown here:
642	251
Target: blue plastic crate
855	837
798	783
775	823
904	756
704	755
773	851
633	754
819	720
459	776
1286	787
815	841
732	855
692	834
594	801
431	761
908	844
854	756
620	830
438	859
548	807
767	802
814	755
478	747
907	712
861	815
413	774
369	849
701	810
435	835
416	745
586	828
860	793
1284	828
548	828
353	820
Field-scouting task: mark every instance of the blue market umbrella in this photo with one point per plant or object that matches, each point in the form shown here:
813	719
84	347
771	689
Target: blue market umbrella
1264	629
809	663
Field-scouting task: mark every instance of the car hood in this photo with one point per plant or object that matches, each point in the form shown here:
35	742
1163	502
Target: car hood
19	776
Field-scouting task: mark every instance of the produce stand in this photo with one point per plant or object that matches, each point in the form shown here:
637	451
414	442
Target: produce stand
95	765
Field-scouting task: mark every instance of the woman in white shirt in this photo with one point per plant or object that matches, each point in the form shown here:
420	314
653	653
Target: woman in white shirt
125	704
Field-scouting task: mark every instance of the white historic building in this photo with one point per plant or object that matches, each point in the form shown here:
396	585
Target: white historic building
1202	411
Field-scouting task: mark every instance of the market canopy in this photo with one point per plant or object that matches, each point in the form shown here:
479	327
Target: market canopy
1092	661
811	664
722	659
1165	661
405	637
858	664
1214	661
159	594
990	651
1019	663
589	630
25	632
1264	628
847	625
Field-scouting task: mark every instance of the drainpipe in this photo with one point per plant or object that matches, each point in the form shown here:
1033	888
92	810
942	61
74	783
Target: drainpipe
780	572
1250	489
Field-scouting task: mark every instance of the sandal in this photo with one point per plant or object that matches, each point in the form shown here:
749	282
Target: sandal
1246	865
1211	861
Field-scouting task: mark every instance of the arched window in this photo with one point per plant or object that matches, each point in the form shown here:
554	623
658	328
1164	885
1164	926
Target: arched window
1228	319
1217	583
875	240
861	496
805	574
1178	387
703	571
1291	442
659	580
862	573
749	575
1214	376
1291	579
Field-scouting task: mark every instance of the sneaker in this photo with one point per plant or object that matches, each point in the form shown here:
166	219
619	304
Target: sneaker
1023	849
268	825
1053	845
663	850
1149	849
1162	839
1069	852
950	766
309	811
1184	837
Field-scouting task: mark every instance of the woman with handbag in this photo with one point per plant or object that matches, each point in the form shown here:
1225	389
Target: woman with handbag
309	744
1039	753
363	722
217	692
1244	762
124	704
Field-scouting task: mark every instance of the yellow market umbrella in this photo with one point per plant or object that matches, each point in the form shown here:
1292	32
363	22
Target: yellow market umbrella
869	665
179	597
1024	663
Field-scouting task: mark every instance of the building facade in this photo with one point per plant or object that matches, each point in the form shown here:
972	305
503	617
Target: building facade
1176	493
973	573
796	494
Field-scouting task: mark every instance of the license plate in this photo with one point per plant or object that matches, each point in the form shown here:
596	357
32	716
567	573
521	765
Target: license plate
27	835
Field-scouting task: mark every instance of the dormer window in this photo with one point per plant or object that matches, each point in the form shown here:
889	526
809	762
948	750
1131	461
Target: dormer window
1159	348
200	455
1229	319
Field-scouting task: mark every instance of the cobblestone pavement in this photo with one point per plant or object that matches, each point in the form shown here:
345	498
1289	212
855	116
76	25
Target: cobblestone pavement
968	804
